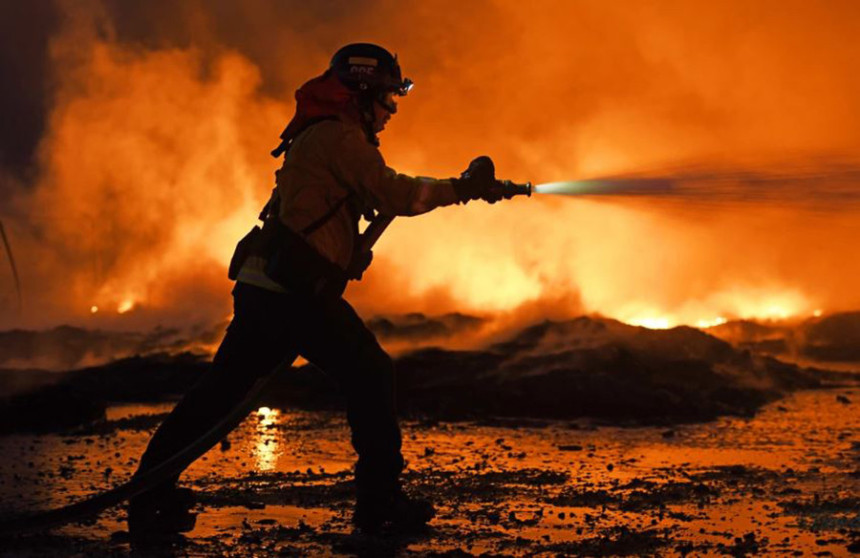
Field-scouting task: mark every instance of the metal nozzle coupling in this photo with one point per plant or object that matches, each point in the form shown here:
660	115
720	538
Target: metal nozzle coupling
511	189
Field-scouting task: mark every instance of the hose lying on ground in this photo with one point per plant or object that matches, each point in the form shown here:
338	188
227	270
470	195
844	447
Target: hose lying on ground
181	460
154	477
12	266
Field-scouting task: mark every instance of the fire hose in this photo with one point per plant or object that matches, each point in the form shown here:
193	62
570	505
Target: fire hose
154	477
176	464
170	467
12	266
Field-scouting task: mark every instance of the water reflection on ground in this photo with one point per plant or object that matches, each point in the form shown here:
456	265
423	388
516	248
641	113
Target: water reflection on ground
782	483
267	438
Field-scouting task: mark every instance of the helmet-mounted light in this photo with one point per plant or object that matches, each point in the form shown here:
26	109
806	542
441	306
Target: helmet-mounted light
400	89
405	86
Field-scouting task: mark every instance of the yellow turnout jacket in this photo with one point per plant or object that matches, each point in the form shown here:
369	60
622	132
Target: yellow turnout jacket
328	161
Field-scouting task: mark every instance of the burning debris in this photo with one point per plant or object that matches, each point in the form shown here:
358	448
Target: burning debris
124	228
134	231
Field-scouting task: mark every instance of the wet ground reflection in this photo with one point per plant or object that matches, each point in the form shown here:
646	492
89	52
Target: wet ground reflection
784	482
266	444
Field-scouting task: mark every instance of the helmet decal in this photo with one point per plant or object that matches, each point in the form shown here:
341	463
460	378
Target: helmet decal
369	68
363	61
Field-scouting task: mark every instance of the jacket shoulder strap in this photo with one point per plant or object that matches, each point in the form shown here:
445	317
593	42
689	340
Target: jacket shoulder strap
284	147
287	136
328	215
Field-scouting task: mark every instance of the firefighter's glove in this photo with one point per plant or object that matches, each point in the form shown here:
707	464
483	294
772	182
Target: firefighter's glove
478	182
495	192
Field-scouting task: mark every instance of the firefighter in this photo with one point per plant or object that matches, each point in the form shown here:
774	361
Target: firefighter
290	277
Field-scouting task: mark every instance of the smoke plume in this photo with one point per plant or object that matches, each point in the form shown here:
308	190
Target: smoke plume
152	154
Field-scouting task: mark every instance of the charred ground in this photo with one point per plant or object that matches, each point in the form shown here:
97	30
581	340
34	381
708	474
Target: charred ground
585	367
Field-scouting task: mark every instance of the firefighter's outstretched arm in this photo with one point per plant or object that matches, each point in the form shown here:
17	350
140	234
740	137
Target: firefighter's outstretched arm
361	166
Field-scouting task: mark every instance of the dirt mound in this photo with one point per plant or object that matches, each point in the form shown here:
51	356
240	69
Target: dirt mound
599	368
81	397
827	339
833	338
66	347
419	327
587	367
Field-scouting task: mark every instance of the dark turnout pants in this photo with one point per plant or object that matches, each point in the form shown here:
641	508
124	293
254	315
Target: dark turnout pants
267	327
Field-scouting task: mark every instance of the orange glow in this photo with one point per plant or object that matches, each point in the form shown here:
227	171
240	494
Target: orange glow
704	324
155	162
266	447
651	322
125	306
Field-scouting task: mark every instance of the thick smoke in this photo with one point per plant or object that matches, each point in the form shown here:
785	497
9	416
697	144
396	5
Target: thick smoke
154	155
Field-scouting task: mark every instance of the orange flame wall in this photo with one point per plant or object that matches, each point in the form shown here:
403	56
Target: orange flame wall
156	157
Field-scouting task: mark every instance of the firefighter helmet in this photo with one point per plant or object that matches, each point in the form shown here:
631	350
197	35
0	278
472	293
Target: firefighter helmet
371	71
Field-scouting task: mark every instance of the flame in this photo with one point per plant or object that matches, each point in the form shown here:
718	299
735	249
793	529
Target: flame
125	306
651	322
705	324
155	162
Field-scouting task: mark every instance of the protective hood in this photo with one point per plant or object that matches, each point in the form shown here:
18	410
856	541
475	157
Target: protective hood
322	97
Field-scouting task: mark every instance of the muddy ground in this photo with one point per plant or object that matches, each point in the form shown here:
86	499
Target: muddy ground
783	483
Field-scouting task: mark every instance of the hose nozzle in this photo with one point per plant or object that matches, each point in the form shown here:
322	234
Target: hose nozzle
510	189
483	171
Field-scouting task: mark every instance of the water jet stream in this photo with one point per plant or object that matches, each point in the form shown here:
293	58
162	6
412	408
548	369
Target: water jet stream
839	187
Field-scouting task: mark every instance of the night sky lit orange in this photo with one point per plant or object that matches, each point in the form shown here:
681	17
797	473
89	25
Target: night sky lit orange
152	155
694	164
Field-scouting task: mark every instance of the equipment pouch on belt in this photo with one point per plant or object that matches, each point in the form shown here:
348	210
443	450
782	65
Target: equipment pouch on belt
296	265
245	248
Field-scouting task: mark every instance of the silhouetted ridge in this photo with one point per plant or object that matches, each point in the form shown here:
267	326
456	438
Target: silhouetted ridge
586	367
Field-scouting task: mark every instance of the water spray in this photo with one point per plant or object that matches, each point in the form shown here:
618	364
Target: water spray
608	186
712	186
834	187
837	187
